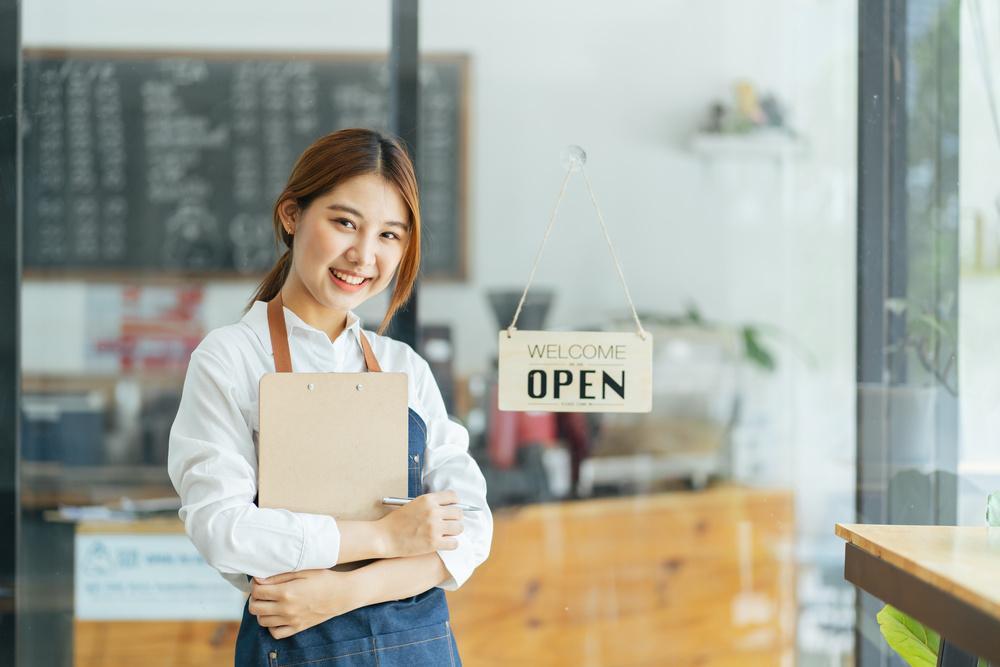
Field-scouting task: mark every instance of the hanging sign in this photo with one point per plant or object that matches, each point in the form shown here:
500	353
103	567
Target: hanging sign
575	371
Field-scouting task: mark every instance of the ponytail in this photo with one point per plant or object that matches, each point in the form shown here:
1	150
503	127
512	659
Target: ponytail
274	280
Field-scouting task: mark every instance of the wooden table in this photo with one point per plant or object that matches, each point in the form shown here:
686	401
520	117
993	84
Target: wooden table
947	577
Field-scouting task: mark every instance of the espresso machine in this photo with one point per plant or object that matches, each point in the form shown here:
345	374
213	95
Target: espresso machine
529	456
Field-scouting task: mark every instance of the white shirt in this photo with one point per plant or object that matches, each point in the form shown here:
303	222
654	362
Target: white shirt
213	451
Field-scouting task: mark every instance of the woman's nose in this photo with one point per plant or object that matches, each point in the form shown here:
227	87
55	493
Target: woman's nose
362	252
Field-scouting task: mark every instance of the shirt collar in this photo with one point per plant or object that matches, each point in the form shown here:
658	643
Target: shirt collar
256	319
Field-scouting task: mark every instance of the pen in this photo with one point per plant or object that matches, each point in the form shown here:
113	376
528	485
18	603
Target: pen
391	500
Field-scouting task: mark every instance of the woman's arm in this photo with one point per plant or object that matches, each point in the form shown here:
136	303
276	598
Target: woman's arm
423	525
398	578
448	465
213	466
289	603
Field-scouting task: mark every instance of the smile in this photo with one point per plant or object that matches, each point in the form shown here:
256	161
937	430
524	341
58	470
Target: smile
347	281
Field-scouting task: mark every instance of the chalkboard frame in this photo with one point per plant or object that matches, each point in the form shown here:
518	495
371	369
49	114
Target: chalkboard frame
456	272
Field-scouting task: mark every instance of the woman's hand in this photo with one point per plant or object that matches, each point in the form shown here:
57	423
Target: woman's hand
289	603
423	525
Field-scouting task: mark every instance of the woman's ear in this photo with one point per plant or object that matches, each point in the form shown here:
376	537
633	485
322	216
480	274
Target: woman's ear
288	213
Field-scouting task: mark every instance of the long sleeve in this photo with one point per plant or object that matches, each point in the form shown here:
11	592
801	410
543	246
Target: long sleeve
448	465
213	466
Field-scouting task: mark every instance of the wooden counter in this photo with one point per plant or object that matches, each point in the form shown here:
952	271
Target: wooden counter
680	579
947	577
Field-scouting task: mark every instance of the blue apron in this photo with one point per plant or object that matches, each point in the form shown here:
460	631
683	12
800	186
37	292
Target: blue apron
412	632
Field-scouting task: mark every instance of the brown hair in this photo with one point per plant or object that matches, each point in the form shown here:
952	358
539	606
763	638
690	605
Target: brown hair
329	161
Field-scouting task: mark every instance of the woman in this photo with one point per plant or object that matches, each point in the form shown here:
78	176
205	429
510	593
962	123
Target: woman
350	220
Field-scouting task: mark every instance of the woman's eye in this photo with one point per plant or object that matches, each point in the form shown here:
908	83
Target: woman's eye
344	221
392	235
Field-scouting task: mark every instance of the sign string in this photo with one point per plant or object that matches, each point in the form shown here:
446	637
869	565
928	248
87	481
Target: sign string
574	166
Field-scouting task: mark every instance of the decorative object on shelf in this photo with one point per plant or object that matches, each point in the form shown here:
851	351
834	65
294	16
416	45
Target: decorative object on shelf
750	125
747	113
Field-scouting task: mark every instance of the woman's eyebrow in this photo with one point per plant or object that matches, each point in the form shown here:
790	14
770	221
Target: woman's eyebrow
354	211
346	209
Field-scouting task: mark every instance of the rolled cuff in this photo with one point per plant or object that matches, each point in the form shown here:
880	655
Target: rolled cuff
320	542
458	565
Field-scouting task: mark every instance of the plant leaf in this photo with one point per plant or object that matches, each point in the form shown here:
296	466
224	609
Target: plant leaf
693	315
914	642
756	352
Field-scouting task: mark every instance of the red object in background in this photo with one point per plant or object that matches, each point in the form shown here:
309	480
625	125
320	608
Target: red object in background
509	431
154	328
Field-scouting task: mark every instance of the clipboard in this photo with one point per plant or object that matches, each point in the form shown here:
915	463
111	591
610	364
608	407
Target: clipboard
330	443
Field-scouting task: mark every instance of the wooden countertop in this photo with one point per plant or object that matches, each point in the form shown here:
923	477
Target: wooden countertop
682	578
960	560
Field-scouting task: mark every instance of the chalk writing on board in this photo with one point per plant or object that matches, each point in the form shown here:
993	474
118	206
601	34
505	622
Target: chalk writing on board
166	162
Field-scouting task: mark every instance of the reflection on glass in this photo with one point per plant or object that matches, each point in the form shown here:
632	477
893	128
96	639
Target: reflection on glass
721	138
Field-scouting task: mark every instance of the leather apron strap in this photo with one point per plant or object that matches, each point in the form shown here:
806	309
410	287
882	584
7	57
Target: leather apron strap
279	340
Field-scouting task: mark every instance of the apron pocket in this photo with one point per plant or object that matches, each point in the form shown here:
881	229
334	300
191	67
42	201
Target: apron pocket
430	645
341	654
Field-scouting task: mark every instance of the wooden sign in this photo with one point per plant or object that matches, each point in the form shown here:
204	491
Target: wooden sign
575	371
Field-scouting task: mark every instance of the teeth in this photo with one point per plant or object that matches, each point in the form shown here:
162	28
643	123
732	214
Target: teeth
352	280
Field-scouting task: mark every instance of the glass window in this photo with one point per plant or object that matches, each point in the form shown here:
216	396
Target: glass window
801	201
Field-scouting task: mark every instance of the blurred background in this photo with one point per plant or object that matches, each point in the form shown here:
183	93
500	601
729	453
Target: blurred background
725	148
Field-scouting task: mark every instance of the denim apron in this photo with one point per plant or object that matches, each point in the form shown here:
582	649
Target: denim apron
412	632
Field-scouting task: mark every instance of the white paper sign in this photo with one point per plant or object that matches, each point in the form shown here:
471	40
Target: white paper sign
575	371
134	577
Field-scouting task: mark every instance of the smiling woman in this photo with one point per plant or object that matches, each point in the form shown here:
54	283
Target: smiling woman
350	220
352	203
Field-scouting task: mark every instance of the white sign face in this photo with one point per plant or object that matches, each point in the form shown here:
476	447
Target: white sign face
135	577
575	371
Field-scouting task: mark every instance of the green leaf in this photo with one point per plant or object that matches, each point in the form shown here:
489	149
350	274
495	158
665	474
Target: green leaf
693	315
916	644
756	352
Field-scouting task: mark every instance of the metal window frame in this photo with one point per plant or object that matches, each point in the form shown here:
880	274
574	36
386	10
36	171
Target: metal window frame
896	231
10	294
404	108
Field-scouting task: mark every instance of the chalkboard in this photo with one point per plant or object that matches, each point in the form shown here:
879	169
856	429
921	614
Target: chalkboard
170	163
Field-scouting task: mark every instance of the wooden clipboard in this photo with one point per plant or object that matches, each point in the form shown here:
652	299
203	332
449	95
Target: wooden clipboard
330	443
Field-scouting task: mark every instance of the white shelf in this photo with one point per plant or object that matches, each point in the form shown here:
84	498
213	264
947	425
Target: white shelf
763	143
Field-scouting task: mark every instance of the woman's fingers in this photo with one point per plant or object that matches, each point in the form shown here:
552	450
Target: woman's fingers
452	513
258	606
444	497
453	527
272	621
265	592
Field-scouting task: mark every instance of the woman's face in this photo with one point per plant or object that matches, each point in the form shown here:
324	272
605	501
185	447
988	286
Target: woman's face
348	242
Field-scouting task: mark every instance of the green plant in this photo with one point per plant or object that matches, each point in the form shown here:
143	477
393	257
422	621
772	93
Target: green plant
915	643
756	350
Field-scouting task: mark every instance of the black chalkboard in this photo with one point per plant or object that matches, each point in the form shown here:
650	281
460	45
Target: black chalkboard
163	162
